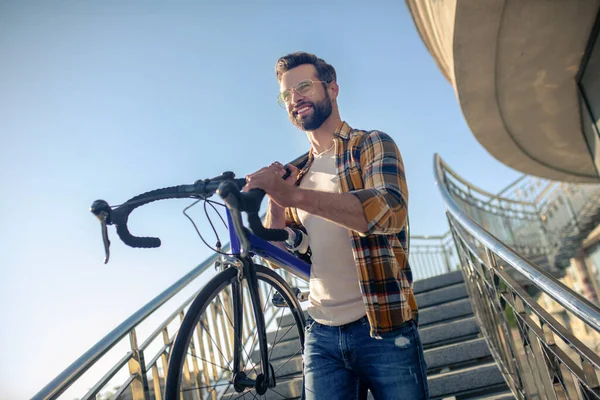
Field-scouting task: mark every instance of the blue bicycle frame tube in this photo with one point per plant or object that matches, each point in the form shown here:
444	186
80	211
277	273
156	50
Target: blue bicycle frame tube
269	252
233	238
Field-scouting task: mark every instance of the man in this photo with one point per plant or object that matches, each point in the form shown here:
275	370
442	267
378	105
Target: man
351	197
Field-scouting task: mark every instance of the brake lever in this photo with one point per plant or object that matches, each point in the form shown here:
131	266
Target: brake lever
101	210
106	241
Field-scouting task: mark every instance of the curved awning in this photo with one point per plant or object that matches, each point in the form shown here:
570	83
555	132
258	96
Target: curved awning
513	65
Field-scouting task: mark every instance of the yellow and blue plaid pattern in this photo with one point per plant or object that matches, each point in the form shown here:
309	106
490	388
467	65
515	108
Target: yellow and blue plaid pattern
369	165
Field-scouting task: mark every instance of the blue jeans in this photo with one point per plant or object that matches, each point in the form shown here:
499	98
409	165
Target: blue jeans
338	359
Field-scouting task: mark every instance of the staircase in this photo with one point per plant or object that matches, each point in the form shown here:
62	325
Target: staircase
587	219
546	231
458	359
459	363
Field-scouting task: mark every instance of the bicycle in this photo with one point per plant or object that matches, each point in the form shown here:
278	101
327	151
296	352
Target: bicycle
238	268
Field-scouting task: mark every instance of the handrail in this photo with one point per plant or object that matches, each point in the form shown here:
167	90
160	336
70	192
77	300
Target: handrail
563	295
539	351
483	192
437	256
66	378
511	185
431	255
543	193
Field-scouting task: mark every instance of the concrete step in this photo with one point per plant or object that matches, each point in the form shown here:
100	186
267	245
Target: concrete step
436	357
288	319
449	332
441	385
436	282
432	335
427	315
282	350
466	380
505	395
501	396
282	334
441	295
285	367
445	312
457	353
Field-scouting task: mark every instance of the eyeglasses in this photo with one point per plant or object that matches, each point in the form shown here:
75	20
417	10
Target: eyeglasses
305	88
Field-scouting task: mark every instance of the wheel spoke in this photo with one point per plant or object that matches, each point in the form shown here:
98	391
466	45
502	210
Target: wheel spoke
263	311
215	301
228	386
282	396
243	395
220	376
213	340
288	360
204	387
280	340
239	340
276	332
211	363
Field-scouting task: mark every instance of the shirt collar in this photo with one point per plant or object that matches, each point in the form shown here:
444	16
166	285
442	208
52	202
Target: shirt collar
342	131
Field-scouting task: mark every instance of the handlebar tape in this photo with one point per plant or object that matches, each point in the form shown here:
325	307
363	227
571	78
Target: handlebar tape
134	241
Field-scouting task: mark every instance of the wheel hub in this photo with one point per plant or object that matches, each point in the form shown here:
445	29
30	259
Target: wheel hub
241	382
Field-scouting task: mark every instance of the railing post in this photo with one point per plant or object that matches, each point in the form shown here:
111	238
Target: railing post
541	362
585	280
205	367
139	387
547	241
186	379
570	206
446	258
508	227
155	373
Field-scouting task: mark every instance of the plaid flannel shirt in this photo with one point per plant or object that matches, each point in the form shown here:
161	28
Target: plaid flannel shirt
369	165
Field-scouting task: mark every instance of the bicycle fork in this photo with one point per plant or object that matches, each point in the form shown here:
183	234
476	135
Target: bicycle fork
266	378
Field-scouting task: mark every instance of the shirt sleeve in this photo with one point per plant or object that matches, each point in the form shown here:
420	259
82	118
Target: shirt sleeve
384	196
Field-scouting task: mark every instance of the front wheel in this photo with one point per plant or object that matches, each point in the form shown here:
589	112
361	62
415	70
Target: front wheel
203	356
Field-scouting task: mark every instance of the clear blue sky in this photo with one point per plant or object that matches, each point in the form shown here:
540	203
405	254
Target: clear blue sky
107	99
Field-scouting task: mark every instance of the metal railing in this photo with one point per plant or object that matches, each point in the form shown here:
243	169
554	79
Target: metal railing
539	356
431	256
144	366
533	216
523	217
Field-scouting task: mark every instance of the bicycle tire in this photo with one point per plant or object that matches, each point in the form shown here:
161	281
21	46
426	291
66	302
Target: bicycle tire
176	379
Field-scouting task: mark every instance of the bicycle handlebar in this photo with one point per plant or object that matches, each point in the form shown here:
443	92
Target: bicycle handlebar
249	202
226	185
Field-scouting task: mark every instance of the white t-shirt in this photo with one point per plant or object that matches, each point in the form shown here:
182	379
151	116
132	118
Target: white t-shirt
335	297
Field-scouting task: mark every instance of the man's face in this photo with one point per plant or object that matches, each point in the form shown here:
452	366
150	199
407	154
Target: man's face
306	112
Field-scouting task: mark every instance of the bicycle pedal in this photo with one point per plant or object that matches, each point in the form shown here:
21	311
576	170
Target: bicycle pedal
279	301
303	296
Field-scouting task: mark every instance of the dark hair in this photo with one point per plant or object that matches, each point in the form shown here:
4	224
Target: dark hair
325	72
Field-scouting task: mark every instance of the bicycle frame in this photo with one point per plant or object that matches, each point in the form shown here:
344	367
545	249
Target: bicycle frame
272	253
269	252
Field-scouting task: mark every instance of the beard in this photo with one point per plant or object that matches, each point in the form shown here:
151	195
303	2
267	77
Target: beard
321	111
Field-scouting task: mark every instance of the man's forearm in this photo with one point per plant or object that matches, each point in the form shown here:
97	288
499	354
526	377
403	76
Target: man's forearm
341	208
